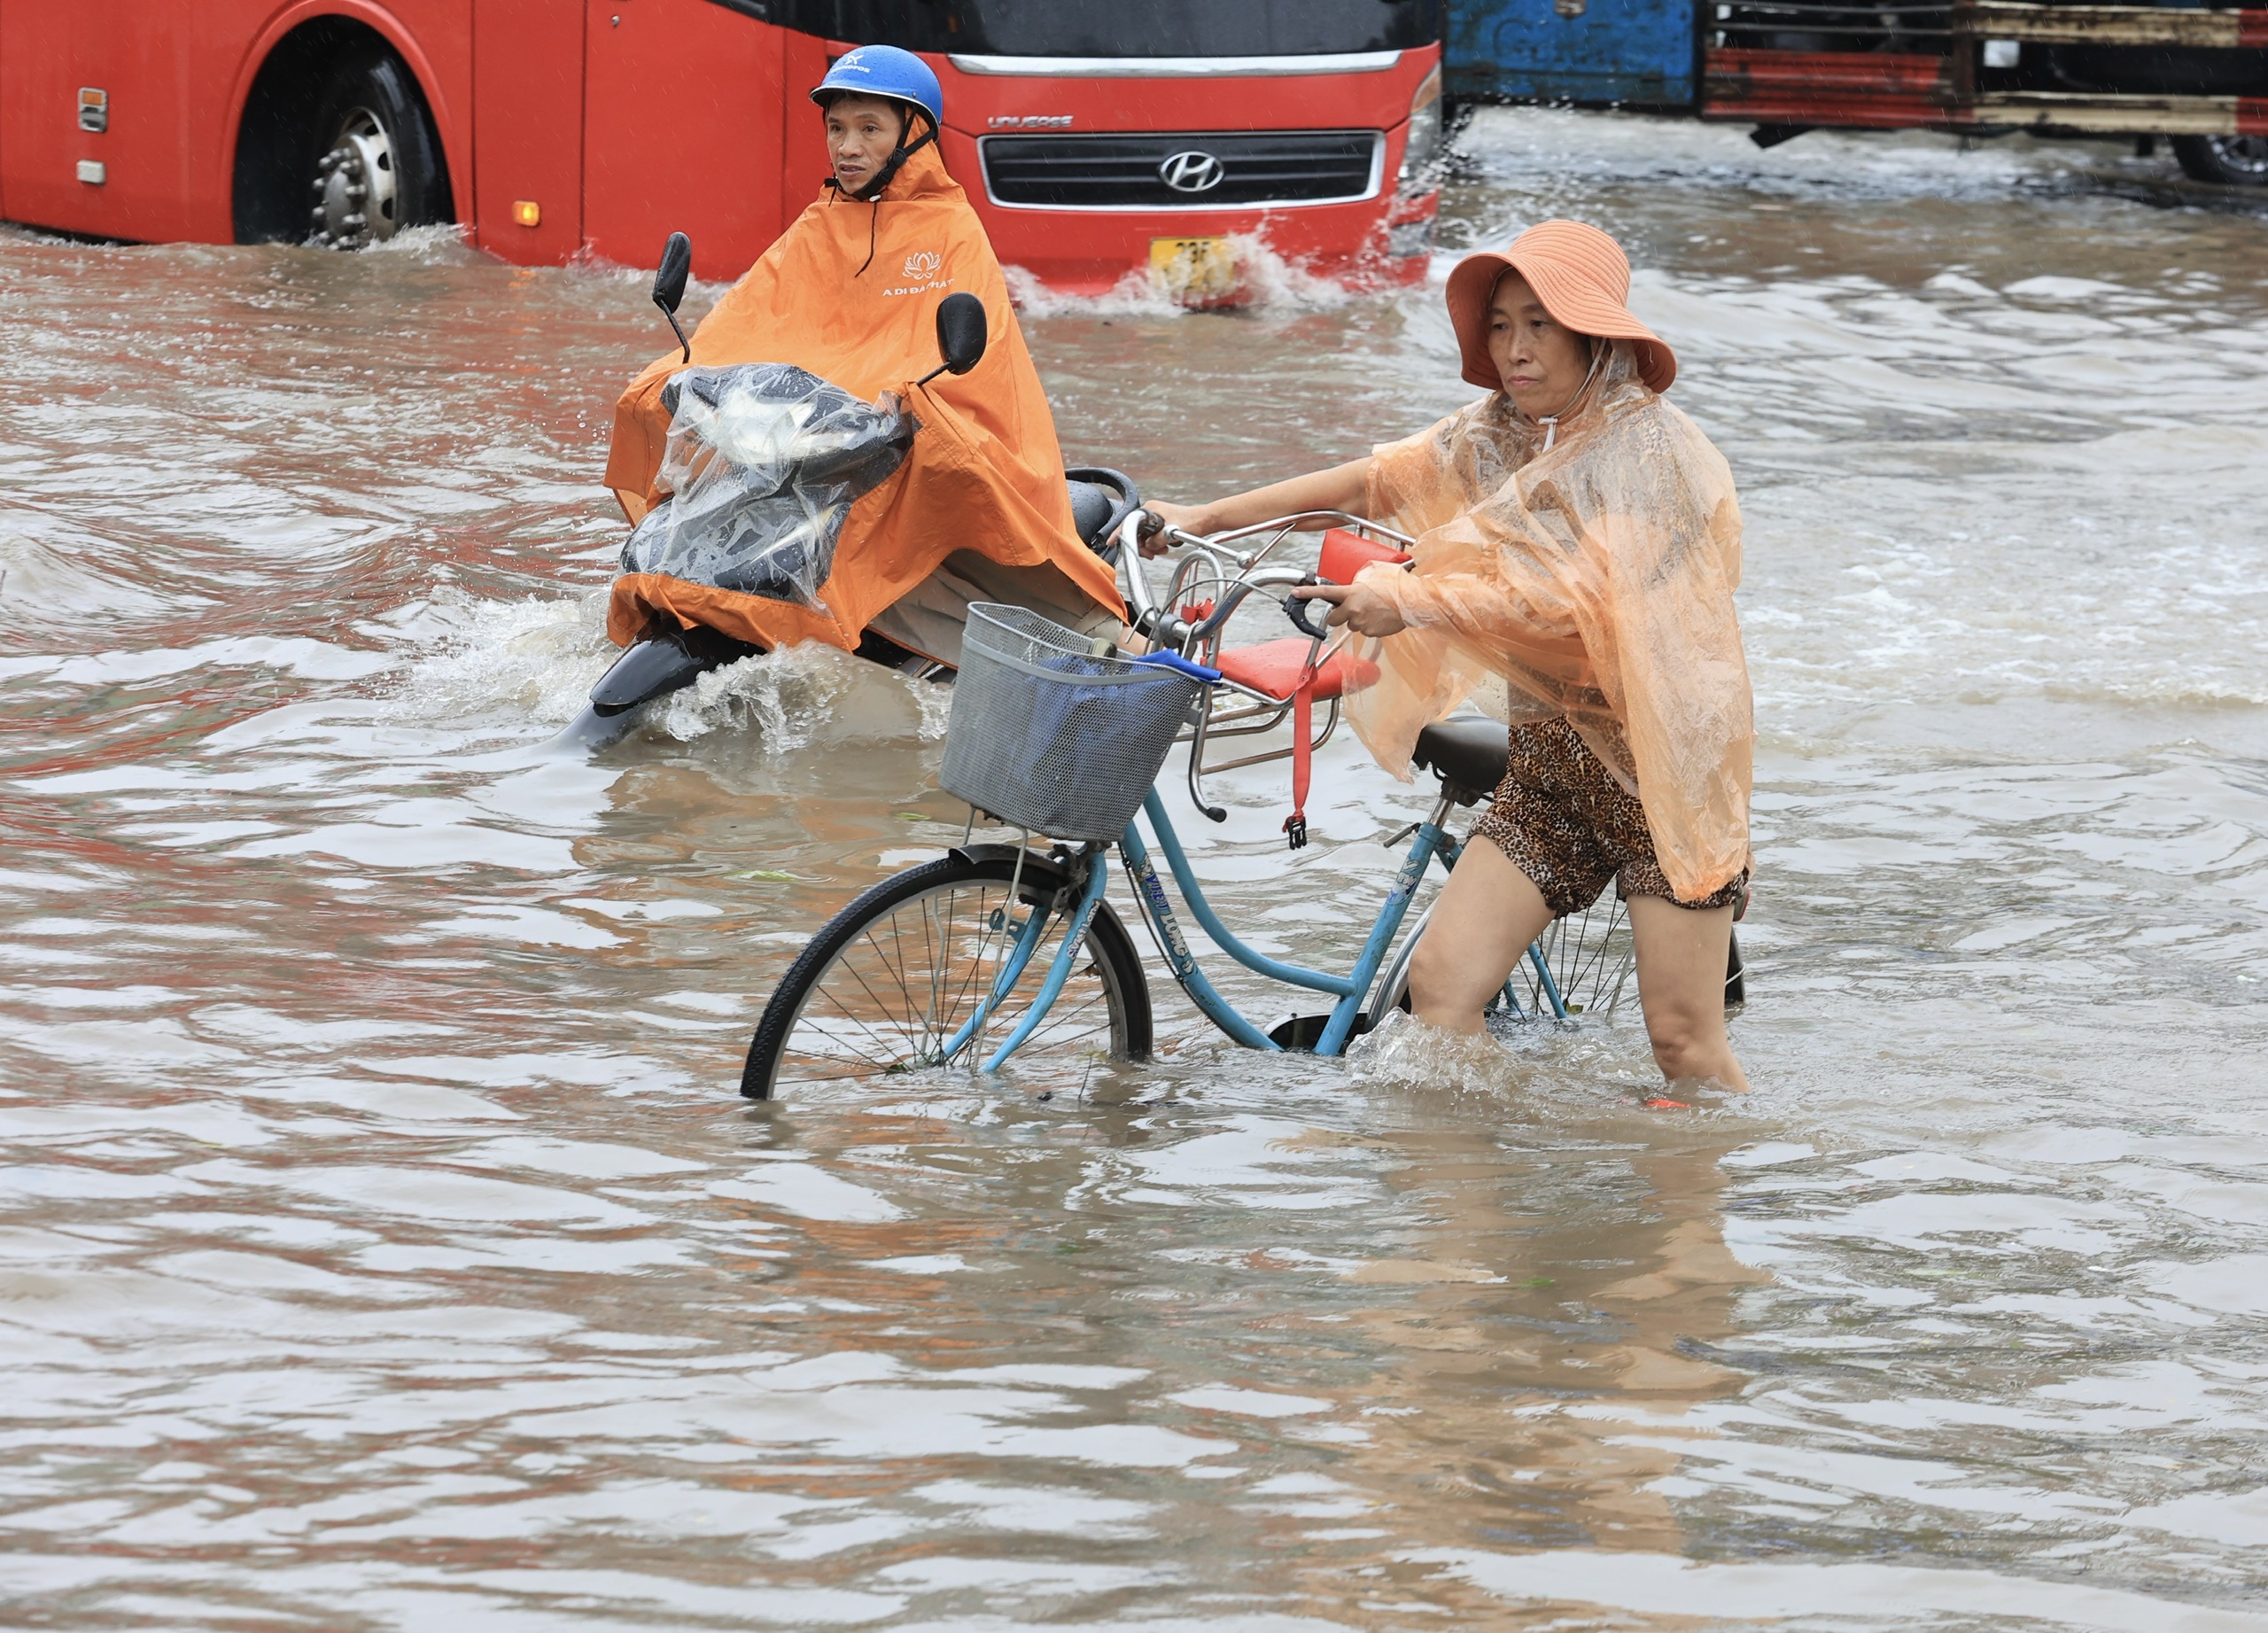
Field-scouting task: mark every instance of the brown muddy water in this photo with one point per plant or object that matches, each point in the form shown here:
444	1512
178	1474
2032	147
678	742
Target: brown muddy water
386	1246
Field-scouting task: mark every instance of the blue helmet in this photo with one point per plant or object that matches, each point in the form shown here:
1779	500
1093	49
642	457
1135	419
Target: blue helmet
885	71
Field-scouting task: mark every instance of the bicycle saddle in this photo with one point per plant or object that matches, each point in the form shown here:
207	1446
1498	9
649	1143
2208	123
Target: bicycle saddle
1468	756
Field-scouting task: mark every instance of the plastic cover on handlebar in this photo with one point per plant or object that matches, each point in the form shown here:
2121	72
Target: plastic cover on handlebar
763	463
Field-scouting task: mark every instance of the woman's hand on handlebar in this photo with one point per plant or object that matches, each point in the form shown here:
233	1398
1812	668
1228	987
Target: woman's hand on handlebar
1189	518
1357	607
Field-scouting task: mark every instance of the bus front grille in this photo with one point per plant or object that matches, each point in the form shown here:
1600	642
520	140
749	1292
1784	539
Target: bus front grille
1215	170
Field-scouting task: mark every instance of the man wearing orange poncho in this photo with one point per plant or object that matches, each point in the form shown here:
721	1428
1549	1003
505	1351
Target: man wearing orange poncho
977	510
1577	548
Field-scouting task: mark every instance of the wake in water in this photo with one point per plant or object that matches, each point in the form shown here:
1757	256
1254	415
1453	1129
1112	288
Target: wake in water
508	664
436	243
806	695
1553	1070
1407	1053
1272	281
488	661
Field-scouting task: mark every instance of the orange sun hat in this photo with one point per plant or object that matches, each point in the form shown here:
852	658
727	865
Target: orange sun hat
1581	276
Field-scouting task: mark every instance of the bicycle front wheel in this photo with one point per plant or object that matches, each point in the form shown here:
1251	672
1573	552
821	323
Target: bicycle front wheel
894	978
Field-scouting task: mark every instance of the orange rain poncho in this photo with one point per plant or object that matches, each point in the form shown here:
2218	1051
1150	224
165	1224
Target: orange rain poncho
985	474
1595	581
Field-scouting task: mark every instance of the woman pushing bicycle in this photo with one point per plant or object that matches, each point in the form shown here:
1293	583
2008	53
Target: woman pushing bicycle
1577	542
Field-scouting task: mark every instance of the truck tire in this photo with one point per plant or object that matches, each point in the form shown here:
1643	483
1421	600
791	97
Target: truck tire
375	164
2231	161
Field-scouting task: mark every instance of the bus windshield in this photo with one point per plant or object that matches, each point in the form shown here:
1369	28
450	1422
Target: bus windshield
1119	27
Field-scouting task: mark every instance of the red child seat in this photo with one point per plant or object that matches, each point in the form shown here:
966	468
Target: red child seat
1274	668
1345	553
1278	669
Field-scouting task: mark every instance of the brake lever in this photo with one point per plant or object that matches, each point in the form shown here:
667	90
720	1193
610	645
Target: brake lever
1296	609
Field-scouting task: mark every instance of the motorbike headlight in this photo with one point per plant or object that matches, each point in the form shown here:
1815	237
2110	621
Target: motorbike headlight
1423	148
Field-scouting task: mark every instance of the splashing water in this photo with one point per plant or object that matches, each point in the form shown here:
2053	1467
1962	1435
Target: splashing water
512	662
1402	1052
1268	282
805	695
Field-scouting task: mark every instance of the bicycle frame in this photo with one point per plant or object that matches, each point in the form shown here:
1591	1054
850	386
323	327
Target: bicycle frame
1430	842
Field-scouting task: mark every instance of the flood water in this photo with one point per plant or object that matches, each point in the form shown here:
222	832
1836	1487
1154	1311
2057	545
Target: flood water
386	1246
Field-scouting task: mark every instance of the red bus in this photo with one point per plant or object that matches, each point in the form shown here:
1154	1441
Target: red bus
1096	138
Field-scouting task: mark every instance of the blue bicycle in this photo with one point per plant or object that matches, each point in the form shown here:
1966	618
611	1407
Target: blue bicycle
1001	950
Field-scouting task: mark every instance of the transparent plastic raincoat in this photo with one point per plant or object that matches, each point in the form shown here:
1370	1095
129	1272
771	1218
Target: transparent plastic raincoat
1592	580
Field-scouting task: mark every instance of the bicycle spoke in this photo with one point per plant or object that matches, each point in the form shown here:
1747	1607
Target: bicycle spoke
898	973
978	963
894	1051
934	960
893	997
881	1006
895	1047
937	935
1589	958
1066	1017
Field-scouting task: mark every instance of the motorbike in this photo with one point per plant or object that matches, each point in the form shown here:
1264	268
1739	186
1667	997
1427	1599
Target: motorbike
761	500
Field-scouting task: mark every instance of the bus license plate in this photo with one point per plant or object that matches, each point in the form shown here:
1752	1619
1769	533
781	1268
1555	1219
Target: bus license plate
1195	269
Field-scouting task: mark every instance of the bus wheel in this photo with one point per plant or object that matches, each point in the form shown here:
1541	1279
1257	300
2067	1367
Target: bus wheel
376	167
2233	161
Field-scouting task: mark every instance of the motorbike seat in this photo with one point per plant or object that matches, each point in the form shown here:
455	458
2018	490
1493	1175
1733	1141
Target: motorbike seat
1092	506
1101	498
1470	757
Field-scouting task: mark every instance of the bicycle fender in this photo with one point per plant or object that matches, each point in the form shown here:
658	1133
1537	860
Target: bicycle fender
1039	867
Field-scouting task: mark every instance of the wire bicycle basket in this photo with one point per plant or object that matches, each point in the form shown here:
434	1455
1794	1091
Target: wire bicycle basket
1049	735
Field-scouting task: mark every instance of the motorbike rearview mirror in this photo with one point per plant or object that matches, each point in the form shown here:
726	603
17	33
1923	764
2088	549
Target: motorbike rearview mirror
669	278
961	335
669	284
961	332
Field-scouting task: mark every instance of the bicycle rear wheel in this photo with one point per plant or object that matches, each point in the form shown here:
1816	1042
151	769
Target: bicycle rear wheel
884	988
1591	959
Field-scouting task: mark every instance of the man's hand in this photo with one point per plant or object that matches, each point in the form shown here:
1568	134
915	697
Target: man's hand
1356	606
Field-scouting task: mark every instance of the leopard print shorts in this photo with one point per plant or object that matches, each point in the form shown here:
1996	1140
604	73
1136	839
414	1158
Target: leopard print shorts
1561	818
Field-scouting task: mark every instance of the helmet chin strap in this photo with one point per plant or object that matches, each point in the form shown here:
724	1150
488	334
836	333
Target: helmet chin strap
872	193
1550	422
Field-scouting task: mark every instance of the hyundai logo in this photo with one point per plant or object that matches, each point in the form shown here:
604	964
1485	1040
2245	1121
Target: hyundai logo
1193	172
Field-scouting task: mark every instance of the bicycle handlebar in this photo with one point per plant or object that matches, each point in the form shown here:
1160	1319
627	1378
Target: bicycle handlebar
1178	632
1235	574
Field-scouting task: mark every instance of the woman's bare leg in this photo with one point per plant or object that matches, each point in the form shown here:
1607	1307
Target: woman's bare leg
1488	914
1681	956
